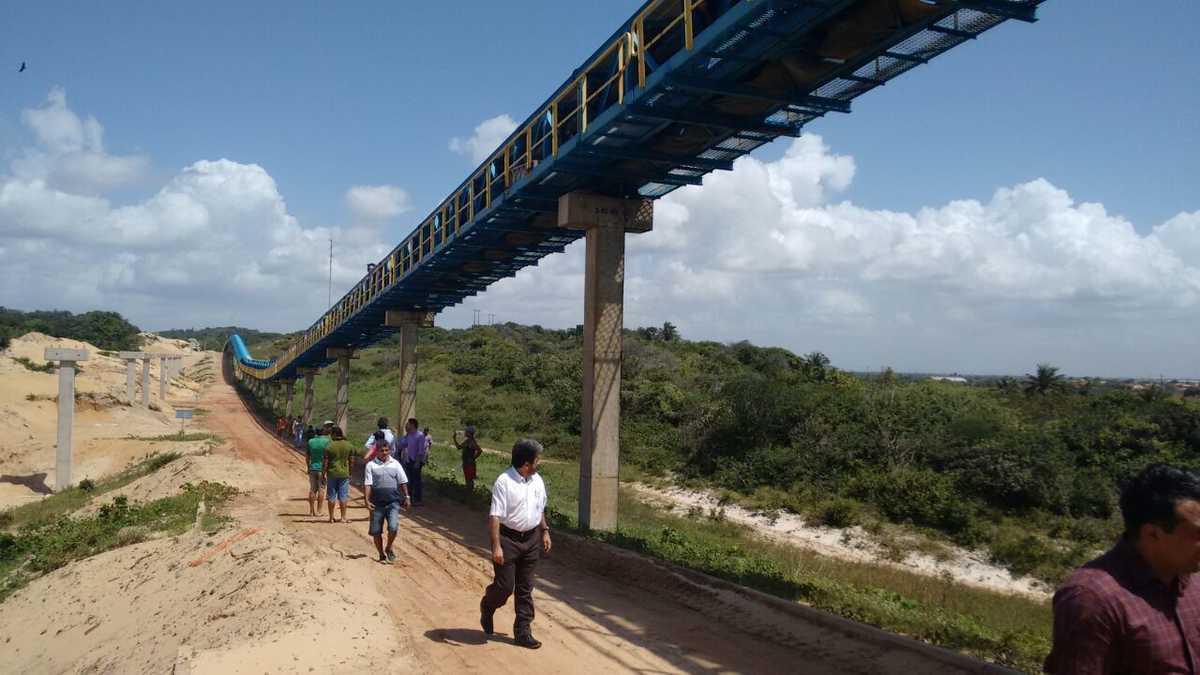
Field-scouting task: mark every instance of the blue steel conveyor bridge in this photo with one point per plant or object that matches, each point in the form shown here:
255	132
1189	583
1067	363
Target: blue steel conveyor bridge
684	87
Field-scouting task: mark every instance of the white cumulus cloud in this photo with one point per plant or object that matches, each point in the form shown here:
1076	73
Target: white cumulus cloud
377	203
487	137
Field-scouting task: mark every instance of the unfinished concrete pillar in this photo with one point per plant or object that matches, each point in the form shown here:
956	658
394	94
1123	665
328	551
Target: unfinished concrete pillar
131	359
67	358
163	378
408	322
146	381
308	374
341	413
606	220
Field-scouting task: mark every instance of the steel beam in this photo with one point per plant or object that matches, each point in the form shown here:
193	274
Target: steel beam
743	91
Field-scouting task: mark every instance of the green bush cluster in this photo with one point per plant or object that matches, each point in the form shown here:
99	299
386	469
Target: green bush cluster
105	330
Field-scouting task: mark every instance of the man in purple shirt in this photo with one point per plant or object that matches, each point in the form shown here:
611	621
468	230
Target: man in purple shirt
414	453
1136	609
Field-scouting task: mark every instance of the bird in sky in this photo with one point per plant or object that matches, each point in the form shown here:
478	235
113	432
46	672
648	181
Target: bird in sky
22	68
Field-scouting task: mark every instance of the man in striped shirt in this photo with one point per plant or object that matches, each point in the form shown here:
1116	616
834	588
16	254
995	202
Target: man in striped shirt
386	488
1136	609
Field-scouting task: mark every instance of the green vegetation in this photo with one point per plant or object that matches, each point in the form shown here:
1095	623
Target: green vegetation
62	503
213	339
179	437
47	367
1027	471
43	546
105	330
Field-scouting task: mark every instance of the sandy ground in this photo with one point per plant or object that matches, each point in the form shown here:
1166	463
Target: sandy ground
969	568
103	422
281	591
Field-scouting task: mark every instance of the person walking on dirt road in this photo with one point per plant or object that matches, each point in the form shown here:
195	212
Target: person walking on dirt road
470	455
519	534
414	453
314	459
385	487
337	472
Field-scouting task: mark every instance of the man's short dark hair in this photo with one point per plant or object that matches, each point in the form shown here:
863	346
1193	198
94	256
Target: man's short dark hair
413	421
525	451
381	423
379	435
1152	495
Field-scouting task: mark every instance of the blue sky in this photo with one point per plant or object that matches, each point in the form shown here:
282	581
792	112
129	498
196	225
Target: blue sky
1098	99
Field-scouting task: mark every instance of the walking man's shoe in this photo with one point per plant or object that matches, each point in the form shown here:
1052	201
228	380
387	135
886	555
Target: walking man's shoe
384	559
391	555
527	641
485	619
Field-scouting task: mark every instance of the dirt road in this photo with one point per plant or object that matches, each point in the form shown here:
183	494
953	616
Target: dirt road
598	611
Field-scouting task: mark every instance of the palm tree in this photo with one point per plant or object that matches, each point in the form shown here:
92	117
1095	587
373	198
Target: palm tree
1045	380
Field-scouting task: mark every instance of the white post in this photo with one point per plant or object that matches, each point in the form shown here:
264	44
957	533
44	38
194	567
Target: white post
131	374
146	381
67	358
162	379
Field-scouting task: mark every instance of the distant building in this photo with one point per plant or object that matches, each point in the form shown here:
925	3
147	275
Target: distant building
949	378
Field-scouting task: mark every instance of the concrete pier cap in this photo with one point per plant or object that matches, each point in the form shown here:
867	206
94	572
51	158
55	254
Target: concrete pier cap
606	220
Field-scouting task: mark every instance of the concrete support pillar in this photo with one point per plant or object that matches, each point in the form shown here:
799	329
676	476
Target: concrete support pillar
131	359
606	220
67	358
146	381
308	374
163	378
341	412
290	390
408	322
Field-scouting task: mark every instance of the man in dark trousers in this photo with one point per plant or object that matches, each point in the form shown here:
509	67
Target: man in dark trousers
517	523
1136	608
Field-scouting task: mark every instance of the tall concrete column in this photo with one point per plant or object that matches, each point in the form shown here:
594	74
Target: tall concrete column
290	389
308	374
341	413
606	220
67	358
163	378
408	322
146	382
131	359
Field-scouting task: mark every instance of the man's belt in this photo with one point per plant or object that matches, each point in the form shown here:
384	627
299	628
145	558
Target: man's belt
517	535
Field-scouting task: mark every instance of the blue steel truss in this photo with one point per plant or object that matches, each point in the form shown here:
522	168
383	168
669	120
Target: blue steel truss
682	88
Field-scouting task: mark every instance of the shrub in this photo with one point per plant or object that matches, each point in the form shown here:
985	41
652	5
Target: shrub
839	512
917	495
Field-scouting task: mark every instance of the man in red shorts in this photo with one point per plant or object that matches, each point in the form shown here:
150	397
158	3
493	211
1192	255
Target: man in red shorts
470	453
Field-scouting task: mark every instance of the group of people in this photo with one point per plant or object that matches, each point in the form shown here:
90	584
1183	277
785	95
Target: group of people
392	467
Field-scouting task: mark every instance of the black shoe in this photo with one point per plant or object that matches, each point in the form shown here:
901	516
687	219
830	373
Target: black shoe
384	559
527	641
485	619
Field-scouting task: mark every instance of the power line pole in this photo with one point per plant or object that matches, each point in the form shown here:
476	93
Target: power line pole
475	319
329	300
491	319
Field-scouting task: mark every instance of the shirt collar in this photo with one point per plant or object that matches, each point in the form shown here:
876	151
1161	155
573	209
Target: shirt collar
1139	571
516	475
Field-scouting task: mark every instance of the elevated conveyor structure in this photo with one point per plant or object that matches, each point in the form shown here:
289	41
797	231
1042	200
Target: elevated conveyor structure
683	88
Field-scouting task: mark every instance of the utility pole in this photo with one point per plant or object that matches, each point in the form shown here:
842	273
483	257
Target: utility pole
491	319
329	301
475	320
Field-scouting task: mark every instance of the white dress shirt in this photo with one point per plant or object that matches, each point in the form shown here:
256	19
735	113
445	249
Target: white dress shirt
518	501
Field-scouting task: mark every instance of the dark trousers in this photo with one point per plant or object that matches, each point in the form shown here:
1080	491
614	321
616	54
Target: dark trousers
520	560
413	471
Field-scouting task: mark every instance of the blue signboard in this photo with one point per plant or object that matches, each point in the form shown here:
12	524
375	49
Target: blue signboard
183	414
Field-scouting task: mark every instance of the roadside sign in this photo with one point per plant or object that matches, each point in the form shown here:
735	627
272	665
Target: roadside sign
183	414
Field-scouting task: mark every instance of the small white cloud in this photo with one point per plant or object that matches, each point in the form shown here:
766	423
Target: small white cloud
71	154
487	137
377	203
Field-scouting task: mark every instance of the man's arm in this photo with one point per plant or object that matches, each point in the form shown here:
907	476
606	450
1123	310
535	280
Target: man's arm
1084	630
545	534
368	481
478	450
494	531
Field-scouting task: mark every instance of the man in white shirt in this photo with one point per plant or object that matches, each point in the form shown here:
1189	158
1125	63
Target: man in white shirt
388	435
517	523
385	487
